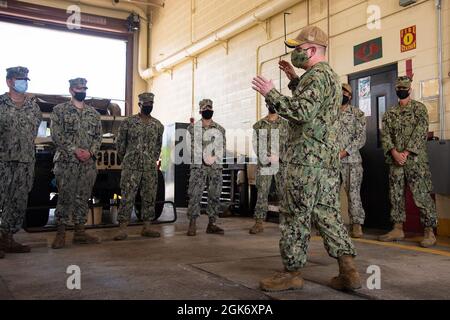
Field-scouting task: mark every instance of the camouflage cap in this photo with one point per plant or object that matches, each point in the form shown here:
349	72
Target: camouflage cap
403	82
17	72
205	103
78	82
146	97
310	34
347	87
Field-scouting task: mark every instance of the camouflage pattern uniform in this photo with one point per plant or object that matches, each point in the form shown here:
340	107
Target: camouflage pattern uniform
203	139
73	129
406	128
352	137
263	128
312	182
18	129
139	146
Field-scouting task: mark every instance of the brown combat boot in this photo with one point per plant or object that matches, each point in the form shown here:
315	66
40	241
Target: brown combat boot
213	228
147	232
9	245
286	280
258	227
429	239
122	232
192	231
356	231
395	235
81	237
60	238
348	278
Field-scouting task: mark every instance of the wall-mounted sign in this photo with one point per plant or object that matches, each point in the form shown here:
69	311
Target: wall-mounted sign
368	51
408	39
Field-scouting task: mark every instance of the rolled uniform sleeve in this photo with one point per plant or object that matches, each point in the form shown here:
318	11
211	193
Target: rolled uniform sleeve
159	142
386	135
255	138
223	146
190	131
38	118
97	142
122	140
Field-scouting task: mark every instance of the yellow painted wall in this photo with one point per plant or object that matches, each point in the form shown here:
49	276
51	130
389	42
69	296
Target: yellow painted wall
225	77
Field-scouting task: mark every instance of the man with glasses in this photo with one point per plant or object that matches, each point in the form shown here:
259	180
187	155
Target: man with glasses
20	118
77	133
312	174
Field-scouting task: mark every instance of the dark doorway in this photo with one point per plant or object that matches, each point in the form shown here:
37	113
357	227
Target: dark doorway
375	186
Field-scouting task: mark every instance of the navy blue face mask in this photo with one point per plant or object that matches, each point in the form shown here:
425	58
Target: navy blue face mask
146	109
80	96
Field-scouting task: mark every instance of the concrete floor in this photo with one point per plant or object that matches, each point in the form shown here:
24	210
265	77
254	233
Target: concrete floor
213	267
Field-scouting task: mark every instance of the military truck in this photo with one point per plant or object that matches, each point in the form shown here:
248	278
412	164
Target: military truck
44	194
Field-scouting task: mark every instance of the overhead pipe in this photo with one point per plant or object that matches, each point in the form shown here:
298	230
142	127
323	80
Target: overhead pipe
240	25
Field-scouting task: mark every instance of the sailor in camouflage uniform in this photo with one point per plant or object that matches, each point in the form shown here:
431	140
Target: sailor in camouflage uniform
208	148
352	137
77	133
270	162
312	174
404	137
139	147
20	118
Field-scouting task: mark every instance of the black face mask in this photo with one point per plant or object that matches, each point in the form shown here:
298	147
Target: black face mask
207	114
147	109
272	110
80	96
345	100
402	94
